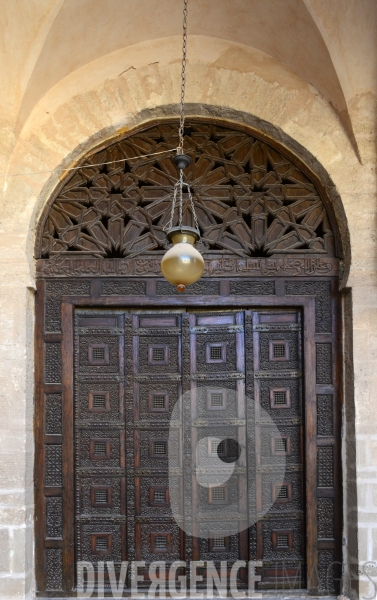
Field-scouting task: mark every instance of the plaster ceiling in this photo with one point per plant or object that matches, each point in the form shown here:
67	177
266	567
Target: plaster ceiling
86	30
329	44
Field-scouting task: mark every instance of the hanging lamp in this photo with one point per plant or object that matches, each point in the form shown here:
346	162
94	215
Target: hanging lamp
182	264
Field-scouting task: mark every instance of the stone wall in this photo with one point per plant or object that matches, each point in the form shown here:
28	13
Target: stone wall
105	98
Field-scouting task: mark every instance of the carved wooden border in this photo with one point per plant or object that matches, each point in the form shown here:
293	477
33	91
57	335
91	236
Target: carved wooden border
54	355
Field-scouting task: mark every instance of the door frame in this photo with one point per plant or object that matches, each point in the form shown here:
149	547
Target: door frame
69	303
66	491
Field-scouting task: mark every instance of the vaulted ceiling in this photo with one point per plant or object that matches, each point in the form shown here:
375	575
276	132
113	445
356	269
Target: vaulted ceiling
329	44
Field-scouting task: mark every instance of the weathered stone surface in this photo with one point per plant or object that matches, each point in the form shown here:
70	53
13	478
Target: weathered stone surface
311	78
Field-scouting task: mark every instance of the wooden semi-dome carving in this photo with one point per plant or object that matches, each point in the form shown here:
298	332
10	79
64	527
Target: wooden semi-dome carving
250	199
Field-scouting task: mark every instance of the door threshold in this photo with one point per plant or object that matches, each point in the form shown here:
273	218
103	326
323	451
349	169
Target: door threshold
263	595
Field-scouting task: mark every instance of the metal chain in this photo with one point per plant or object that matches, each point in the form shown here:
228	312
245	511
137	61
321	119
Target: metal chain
180	183
183	79
193	209
169	225
179	186
180	195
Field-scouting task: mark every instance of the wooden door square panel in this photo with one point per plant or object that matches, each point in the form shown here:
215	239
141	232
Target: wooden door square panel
155	494
159	449
99	447
158	401
217	447
215	352
218	494
159	496
160	541
98	354
158	354
102	494
100	541
216	399
281	492
278	350
283	447
218	541
294	490
154	449
282	539
99	401
163	356
223	495
220	546
280	397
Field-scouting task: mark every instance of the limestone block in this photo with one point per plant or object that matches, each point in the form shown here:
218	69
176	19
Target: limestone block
12	517
374	495
366	588
12	588
362	494
5	547
363	535
19	550
373	452
361	449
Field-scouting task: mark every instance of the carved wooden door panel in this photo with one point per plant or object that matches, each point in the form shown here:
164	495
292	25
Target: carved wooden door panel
183	422
247	408
218	438
102	377
275	350
157	354
128	379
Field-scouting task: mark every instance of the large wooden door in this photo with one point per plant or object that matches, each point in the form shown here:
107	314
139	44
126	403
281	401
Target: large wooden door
190	439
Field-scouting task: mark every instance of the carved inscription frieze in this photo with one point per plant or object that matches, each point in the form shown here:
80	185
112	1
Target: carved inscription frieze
63	266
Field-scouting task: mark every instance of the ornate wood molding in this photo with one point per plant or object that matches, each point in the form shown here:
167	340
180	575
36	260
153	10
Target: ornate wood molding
64	266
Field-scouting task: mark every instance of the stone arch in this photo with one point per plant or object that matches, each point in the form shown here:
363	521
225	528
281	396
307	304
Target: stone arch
294	221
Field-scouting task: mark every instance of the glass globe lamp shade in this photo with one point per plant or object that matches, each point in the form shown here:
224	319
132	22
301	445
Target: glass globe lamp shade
182	264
